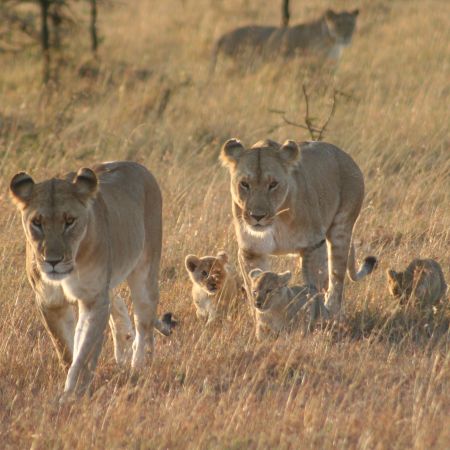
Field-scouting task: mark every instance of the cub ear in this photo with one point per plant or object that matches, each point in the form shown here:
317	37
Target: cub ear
222	256
21	188
231	151
391	274
284	278
255	273
330	14
86	183
355	12
191	262
289	152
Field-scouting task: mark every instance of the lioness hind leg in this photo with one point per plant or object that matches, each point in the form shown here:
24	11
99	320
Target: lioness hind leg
315	268
58	317
338	241
121	329
145	296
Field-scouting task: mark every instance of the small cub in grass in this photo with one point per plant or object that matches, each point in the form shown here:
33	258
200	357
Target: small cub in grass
215	285
422	282
282	307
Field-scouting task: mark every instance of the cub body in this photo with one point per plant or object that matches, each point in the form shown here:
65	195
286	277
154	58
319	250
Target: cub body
281	307
215	285
85	234
422	281
325	37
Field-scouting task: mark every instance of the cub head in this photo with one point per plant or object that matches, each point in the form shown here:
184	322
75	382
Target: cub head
54	218
209	272
341	25
265	287
260	179
395	283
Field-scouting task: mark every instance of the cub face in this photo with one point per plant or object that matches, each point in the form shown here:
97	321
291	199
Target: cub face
394	283
341	25
208	272
54	217
259	178
265	287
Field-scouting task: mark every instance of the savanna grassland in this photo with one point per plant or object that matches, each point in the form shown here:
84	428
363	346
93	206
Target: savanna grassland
382	379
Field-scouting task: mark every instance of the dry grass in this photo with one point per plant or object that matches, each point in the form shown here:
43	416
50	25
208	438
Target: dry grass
382	381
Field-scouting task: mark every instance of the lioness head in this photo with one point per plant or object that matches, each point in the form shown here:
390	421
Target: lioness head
209	272
54	217
265	287
259	178
341	25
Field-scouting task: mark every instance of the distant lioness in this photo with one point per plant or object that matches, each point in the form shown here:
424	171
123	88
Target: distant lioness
291	199
422	282
215	285
280	307
325	37
86	234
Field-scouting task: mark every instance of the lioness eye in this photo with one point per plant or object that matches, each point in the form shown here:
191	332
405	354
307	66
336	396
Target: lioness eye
245	185
204	273
37	222
273	185
68	221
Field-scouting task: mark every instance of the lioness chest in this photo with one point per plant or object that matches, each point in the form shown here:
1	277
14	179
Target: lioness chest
279	239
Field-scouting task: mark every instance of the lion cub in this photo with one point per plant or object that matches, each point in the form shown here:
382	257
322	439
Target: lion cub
279	306
215	285
423	281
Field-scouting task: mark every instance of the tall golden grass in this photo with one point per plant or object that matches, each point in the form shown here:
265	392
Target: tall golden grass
381	382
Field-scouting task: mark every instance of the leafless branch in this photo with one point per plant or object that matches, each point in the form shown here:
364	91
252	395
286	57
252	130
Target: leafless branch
308	119
333	108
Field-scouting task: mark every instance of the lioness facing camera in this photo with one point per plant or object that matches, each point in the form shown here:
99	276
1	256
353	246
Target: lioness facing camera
292	199
84	235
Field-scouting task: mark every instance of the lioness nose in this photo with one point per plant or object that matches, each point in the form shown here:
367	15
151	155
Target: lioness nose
53	261
258	217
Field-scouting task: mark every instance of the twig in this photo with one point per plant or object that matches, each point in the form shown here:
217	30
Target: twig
308	120
333	108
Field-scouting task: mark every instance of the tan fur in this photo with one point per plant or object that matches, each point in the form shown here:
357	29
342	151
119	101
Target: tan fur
85	235
215	286
325	37
422	282
281	307
289	199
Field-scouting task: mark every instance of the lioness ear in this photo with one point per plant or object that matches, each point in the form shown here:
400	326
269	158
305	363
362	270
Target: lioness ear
191	263
255	273
223	257
289	152
21	188
355	12
86	183
284	278
231	152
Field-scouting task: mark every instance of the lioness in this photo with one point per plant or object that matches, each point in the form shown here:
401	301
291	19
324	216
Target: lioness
325	37
279	307
84	235
215	286
291	199
422	282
